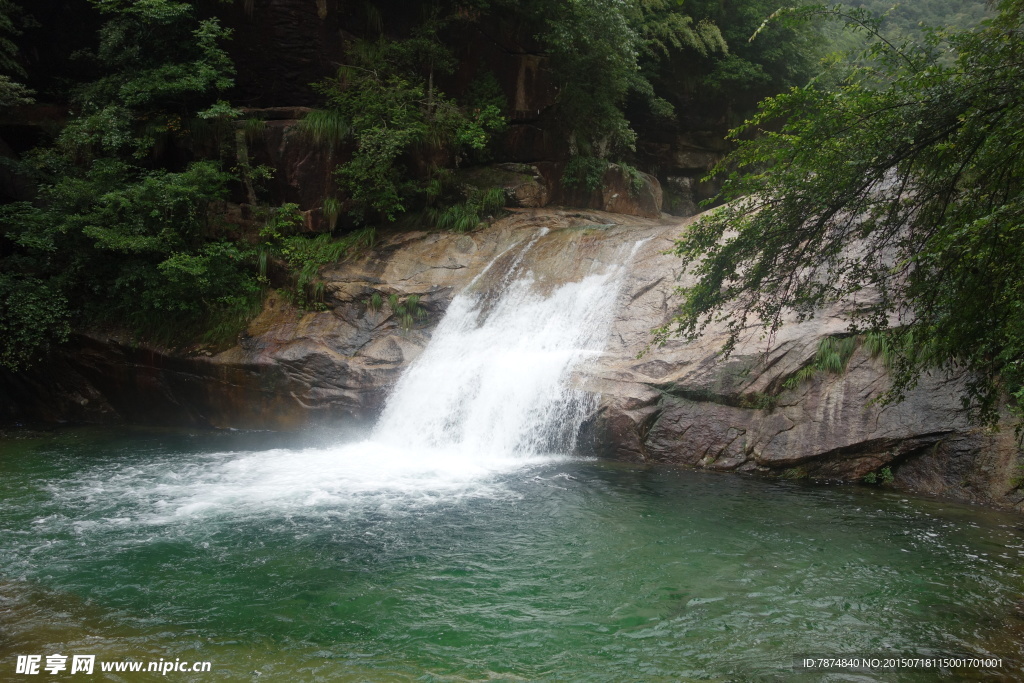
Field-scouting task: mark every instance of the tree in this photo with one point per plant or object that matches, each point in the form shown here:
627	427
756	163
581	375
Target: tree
118	231
751	69
601	52
901	174
11	91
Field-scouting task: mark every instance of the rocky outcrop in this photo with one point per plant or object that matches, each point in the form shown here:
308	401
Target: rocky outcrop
680	403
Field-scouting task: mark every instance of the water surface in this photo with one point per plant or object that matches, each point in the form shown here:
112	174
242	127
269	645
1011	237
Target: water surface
312	561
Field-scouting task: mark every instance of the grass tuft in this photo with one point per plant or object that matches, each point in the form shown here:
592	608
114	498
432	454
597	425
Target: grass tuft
325	127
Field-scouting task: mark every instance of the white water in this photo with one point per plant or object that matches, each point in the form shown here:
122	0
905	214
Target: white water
490	394
494	384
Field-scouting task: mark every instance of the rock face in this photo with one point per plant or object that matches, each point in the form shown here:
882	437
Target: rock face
680	403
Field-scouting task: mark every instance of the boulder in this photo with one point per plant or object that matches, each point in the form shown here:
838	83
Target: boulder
635	194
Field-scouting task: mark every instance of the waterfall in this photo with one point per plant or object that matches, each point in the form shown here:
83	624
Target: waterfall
492	393
495	379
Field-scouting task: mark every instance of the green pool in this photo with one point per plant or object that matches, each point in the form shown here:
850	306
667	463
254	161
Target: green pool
278	557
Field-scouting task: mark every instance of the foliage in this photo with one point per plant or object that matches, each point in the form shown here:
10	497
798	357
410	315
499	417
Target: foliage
907	19
901	175
33	315
375	302
833	355
386	102
733	80
111	236
883	476
331	209
467	215
597	48
326	127
584	172
133	246
305	255
758	400
12	92
407	311
159	66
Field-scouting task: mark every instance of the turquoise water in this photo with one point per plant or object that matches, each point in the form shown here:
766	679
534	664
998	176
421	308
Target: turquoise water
293	558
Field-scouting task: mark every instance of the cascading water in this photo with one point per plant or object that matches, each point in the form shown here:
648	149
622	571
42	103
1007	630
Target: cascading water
491	393
494	382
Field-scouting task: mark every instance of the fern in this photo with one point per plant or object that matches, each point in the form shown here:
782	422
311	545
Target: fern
306	256
493	200
469	214
834	353
879	344
254	129
406	311
458	218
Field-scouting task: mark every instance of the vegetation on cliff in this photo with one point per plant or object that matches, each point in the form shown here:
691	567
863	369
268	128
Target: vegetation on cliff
385	102
113	234
896	181
122	211
123	222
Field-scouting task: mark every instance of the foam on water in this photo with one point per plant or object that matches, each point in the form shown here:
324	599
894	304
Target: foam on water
491	394
285	481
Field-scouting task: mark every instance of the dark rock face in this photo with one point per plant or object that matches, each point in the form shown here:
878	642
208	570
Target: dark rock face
618	192
303	171
679	403
281	46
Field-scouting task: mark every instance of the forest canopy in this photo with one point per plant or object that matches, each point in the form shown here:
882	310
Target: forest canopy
894	180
